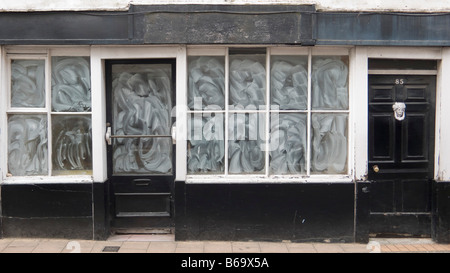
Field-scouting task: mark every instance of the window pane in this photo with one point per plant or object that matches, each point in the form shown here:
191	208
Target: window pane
289	82
71	84
27	83
330	83
206	143
142	104
247	81
288	144
27	145
206	83
246	146
329	143
72	144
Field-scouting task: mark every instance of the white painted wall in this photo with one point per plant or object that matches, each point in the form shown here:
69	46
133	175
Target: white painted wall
325	5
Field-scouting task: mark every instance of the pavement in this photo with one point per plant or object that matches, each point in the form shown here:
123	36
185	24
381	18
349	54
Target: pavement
167	244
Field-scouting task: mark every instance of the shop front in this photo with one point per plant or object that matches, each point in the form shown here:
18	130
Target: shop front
225	122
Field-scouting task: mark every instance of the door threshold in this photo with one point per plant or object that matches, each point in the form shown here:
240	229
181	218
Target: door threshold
148	231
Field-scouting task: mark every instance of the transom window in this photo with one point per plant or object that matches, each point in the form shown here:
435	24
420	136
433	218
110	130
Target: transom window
267	112
48	115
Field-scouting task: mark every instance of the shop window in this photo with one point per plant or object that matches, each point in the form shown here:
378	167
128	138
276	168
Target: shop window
253	112
49	116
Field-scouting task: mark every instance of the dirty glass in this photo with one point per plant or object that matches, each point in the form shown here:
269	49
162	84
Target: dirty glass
288	143
142	104
28	83
329	83
289	82
71	84
206	83
247	81
71	144
246	145
27	145
329	143
206	143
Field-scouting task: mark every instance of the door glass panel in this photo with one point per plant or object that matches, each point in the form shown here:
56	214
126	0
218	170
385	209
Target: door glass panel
27	83
27	145
142	104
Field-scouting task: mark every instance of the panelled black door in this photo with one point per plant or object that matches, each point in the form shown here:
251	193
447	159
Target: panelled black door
401	154
141	158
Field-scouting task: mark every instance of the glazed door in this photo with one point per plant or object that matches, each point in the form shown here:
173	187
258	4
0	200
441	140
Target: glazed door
141	158
401	154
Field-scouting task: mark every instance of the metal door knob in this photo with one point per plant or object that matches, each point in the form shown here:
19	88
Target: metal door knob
375	168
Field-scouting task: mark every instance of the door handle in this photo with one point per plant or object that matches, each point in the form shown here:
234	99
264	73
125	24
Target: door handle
108	134
375	168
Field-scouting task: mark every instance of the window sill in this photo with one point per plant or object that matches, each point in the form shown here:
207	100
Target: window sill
48	179
250	179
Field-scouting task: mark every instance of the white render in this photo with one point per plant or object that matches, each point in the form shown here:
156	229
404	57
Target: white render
322	5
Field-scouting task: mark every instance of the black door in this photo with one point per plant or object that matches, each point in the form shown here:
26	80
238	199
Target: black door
401	154
141	158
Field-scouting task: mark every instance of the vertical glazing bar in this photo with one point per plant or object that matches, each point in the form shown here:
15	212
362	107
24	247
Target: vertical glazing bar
227	88
308	122
48	101
181	116
267	111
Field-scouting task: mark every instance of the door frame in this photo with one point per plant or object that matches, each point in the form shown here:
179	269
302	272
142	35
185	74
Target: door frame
359	102
99	54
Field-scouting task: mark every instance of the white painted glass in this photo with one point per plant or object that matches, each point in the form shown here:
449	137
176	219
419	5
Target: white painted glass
27	145
247	89
246	145
206	83
288	143
28	83
329	83
206	144
289	82
142	104
71	84
72	145
329	143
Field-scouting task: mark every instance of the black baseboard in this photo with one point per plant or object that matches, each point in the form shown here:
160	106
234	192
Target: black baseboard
320	212
47	210
441	212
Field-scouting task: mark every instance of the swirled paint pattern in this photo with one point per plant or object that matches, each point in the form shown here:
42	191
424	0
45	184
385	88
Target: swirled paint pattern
247	81
71	84
28	83
206	82
289	82
288	135
329	143
142	104
329	83
72	144
27	145
206	147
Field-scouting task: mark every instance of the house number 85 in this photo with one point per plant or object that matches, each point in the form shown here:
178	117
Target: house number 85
399	81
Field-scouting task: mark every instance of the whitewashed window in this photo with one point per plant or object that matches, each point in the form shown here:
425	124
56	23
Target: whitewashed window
48	115
267	113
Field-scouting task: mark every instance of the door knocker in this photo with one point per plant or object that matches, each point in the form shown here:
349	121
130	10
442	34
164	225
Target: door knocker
399	110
